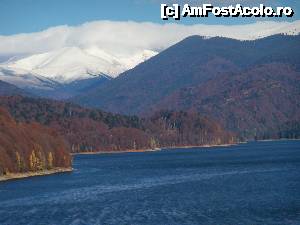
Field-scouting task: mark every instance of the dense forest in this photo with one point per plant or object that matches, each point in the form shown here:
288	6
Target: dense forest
262	102
30	147
89	130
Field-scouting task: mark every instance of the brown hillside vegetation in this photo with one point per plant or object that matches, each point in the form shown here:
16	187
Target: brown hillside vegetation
259	102
90	130
29	147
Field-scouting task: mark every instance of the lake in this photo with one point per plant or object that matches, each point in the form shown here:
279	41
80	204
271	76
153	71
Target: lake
253	183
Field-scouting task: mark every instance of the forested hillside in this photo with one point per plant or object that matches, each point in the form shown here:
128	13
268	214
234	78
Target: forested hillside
87	130
30	147
262	102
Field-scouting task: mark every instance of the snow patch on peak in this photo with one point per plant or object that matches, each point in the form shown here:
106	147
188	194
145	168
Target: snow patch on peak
137	58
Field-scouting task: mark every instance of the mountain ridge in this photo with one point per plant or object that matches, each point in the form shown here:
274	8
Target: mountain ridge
189	62
7	89
192	62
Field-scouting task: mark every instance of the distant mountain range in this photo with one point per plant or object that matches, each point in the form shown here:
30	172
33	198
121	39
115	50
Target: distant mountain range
250	86
48	70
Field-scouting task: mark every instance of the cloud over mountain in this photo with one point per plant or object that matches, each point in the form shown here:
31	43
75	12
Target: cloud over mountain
65	54
123	39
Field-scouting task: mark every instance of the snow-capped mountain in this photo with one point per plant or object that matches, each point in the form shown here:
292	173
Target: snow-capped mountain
70	64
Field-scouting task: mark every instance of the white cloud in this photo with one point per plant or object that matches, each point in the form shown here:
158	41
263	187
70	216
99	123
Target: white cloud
127	38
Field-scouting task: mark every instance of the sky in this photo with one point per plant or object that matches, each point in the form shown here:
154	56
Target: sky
27	16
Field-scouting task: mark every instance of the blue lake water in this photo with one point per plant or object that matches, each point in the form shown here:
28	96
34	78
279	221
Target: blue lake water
253	183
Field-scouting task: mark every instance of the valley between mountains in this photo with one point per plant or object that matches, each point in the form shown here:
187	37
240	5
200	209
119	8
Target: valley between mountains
200	91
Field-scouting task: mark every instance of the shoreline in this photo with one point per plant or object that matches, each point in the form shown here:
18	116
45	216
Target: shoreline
183	147
203	146
16	176
281	139
154	150
116	152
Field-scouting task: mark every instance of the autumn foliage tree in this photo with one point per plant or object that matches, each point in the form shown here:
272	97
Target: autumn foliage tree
30	147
